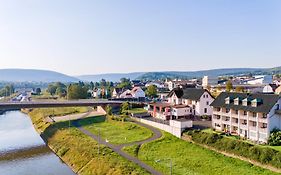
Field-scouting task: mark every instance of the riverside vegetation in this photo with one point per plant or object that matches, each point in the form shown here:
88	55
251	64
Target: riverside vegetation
78	150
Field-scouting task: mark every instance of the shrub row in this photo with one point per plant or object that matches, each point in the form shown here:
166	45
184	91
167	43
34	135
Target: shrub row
264	155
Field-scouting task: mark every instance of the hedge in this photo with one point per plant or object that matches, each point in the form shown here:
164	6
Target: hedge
264	155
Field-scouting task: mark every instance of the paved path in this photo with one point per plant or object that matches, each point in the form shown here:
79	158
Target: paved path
118	148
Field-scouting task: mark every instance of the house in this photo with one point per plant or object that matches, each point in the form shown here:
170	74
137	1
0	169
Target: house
117	92
198	99
135	93
159	85
179	83
182	103
252	116
138	93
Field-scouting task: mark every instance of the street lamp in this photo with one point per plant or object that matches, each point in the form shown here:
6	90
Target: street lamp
171	164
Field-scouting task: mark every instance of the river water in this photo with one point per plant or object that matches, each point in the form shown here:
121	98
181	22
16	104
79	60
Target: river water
23	152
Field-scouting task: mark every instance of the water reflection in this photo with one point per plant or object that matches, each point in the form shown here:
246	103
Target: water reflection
22	151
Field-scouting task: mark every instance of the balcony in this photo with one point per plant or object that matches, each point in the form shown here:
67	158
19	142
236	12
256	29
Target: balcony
243	126
253	118
234	124
253	128
243	117
262	120
227	122
263	130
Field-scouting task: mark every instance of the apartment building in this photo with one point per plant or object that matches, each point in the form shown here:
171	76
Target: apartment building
252	116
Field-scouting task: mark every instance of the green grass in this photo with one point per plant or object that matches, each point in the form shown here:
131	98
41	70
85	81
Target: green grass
80	151
137	110
191	159
116	132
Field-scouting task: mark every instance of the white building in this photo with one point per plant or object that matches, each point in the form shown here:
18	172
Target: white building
198	99
252	116
209	81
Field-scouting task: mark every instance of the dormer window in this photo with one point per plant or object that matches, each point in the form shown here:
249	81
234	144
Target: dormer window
245	102
227	100
254	103
236	101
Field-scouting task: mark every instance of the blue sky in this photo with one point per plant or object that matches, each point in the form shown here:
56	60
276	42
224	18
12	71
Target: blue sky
101	36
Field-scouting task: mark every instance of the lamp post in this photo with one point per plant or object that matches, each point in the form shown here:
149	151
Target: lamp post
171	164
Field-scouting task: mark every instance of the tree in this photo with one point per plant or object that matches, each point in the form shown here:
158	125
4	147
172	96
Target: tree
108	110
151	91
125	83
229	86
51	89
61	92
38	91
239	89
124	108
77	91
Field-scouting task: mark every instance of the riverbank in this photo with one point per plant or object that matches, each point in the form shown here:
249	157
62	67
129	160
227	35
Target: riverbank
80	152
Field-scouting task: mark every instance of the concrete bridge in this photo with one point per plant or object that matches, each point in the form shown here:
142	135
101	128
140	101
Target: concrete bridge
51	104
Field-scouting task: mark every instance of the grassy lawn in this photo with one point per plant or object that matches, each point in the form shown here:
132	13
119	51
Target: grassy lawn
137	110
116	132
79	151
190	159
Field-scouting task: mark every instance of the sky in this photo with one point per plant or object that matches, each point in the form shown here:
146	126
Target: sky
79	37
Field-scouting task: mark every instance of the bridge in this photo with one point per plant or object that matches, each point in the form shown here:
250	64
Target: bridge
51	104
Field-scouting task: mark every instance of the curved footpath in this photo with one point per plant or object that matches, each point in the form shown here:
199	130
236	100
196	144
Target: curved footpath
118	148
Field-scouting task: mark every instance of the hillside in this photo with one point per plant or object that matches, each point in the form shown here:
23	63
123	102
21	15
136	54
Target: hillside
32	75
198	74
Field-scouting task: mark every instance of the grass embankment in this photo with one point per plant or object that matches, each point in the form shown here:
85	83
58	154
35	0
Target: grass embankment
137	110
211	131
78	150
188	158
115	131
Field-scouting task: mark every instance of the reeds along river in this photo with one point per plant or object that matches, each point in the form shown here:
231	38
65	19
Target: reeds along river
22	151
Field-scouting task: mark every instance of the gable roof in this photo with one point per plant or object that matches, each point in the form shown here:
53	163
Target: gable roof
267	101
188	93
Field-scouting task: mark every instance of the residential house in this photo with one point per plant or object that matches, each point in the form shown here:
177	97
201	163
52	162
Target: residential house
252	116
198	99
135	93
182	103
117	92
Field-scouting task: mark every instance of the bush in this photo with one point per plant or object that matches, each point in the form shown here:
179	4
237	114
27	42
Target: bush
258	153
275	138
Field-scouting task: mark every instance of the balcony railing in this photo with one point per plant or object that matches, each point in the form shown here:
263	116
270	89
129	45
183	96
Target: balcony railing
253	118
253	128
243	126
263	130
243	117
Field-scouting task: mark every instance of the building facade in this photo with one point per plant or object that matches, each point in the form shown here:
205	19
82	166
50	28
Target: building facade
252	116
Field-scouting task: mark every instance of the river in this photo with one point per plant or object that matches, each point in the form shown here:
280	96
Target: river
22	150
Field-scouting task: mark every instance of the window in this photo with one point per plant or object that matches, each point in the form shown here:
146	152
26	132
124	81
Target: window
227	118
264	125
227	110
207	103
205	110
236	120
245	112
207	96
236	111
244	122
264	115
254	114
245	102
254	123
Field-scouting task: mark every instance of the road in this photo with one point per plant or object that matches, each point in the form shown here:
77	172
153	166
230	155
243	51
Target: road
118	148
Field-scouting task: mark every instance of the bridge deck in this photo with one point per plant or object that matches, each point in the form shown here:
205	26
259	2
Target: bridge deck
49	104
